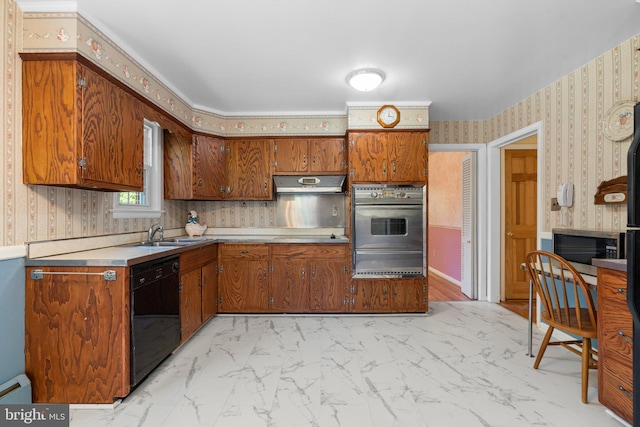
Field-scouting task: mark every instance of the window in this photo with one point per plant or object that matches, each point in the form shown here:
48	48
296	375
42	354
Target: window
148	203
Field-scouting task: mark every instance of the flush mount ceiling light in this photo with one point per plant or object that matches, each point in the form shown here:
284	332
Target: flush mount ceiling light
365	79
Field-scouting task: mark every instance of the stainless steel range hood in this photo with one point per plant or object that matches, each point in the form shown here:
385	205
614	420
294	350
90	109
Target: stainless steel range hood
308	184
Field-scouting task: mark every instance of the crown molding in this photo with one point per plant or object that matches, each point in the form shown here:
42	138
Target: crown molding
47	6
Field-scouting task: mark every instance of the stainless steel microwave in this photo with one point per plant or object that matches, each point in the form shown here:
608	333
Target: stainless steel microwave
580	247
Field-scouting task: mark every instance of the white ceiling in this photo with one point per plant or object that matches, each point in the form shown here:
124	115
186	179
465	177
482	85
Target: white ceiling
471	58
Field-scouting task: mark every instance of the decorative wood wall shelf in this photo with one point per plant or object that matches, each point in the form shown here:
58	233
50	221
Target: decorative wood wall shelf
610	192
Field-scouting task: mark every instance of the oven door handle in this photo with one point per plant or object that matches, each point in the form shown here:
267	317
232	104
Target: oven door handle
388	250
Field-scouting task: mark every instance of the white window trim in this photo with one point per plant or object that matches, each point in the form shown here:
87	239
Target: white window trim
155	189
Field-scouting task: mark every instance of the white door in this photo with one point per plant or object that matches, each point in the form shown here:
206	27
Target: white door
468	232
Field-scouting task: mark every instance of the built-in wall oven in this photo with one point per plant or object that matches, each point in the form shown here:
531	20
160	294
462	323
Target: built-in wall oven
155	314
389	224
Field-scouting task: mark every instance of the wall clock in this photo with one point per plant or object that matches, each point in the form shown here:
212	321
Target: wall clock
618	122
388	116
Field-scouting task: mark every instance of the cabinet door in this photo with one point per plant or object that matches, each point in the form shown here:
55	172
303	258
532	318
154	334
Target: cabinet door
190	303
292	155
178	166
368	157
112	135
407	157
208	168
243	286
408	295
209	280
250	169
243	283
370	296
328	155
77	335
289	286
50	123
328	285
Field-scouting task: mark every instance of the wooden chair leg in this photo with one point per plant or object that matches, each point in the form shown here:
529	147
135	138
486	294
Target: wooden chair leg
543	347
586	358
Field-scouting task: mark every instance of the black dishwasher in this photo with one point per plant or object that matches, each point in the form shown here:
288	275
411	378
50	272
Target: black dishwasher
155	314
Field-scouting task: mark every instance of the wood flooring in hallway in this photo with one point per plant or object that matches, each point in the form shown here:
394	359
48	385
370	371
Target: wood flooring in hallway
440	289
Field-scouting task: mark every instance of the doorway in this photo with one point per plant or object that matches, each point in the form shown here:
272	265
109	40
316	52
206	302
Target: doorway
495	232
445	221
456	206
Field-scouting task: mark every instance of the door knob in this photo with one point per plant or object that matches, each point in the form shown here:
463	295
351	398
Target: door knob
510	234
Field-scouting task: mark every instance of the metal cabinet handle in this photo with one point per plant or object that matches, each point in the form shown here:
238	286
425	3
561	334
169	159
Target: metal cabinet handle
303	273
304	159
624	337
622	291
384	167
625	392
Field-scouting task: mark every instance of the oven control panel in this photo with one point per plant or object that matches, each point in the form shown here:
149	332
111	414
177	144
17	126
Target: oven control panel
406	194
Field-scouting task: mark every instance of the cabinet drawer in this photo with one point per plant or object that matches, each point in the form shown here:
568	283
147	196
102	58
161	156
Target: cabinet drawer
616	335
196	258
615	389
242	251
612	298
309	251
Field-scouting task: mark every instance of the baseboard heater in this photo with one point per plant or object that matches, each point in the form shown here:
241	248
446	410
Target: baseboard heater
16	391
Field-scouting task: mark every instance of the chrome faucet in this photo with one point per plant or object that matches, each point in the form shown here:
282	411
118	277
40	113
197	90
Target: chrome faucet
153	230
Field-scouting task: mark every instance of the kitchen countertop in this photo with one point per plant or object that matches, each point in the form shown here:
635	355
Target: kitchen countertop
613	264
133	253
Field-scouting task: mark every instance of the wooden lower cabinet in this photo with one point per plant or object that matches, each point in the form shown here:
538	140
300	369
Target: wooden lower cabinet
77	329
243	282
615	344
308	278
405	295
198	288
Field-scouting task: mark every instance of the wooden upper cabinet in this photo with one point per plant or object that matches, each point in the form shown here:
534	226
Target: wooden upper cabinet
209	170
292	155
194	167
368	157
328	155
310	156
249	169
388	157
79	128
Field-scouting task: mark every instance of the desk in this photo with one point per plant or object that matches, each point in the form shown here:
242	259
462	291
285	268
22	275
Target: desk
590	280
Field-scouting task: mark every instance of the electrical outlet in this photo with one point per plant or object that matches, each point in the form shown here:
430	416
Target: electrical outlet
554	204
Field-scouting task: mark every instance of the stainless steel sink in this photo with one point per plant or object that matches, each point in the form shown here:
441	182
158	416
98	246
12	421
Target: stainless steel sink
164	243
187	240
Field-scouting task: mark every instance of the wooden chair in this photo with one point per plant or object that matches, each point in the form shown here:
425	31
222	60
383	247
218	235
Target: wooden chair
556	282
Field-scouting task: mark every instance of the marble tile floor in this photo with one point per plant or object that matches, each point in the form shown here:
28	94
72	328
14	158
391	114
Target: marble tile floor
463	364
